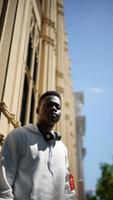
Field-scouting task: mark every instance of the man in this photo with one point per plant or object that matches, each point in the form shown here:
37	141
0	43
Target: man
34	163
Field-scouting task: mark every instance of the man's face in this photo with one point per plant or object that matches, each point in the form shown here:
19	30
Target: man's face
50	109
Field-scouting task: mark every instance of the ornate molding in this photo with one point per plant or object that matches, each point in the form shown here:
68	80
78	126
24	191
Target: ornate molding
61	12
10	117
48	22
34	31
28	73
51	24
48	40
35	88
60	9
59	74
32	25
60	89
60	5
36	45
32	22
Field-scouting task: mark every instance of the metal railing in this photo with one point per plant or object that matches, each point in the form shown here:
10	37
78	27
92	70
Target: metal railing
10	117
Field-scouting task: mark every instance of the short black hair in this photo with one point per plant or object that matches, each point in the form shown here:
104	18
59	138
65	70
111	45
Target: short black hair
48	93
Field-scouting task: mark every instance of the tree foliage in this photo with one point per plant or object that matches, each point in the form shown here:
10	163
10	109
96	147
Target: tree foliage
104	187
92	197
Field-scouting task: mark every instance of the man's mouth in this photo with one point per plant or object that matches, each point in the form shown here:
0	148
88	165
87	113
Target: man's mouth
54	116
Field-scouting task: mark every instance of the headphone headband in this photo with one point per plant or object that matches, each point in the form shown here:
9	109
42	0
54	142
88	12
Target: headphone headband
49	136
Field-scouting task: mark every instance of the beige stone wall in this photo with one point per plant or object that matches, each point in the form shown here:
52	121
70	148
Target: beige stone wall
36	28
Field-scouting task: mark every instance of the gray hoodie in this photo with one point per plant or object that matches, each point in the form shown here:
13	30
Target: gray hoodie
32	168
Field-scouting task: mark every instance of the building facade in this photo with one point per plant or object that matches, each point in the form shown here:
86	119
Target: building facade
33	59
81	151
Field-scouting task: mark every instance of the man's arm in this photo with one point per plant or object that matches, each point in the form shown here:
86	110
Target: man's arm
68	193
5	188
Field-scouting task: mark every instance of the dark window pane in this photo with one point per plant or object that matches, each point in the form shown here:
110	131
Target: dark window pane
24	101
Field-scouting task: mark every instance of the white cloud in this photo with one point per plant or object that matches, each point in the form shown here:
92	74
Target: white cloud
97	90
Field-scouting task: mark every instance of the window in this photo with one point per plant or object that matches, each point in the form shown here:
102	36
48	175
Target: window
3	9
24	100
29	96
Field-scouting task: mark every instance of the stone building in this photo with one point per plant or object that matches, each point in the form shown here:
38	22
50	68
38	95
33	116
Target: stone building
81	151
34	58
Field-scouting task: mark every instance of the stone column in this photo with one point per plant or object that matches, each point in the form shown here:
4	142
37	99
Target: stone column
34	46
60	47
5	42
48	48
60	68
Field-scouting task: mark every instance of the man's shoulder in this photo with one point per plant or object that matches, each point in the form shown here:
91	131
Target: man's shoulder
23	130
62	145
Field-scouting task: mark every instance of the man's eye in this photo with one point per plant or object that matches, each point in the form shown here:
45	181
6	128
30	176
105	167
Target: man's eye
58	107
49	104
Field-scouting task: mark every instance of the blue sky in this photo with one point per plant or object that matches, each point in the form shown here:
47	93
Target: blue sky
89	24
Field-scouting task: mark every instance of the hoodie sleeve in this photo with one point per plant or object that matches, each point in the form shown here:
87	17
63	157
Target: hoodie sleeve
8	166
68	193
5	188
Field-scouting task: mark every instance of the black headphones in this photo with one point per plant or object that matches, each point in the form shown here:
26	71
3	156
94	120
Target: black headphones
49	136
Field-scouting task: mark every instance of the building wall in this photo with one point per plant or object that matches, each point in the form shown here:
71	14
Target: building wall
80	131
34	58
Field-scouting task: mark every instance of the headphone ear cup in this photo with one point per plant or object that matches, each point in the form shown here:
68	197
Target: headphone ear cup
58	136
49	136
52	136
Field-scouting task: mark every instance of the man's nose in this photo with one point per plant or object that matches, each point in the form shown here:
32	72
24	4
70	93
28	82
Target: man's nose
54	108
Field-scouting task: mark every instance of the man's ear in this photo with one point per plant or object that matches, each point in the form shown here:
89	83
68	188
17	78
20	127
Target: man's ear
37	110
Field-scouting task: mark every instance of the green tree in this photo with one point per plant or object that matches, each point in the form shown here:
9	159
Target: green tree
104	187
92	198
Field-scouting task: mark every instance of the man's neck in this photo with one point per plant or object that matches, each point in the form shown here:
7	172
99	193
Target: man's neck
45	127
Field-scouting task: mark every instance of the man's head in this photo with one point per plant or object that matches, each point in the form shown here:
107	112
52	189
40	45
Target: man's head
49	107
